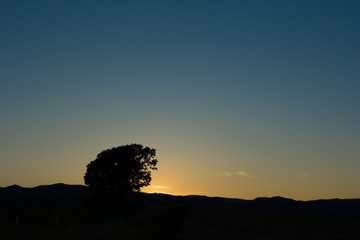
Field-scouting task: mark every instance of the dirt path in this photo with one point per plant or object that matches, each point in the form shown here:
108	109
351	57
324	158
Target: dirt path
194	228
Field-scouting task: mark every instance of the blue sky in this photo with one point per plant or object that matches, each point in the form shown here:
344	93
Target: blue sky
219	88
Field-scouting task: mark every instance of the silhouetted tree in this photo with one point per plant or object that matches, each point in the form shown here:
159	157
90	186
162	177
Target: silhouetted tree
117	172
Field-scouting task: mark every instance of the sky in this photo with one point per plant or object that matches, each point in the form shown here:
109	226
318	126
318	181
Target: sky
240	99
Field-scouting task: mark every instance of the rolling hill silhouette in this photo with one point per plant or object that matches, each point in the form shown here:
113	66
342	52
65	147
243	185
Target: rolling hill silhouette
63	195
56	195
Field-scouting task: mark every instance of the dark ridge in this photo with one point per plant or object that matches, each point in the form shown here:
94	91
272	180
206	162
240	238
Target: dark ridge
63	195
56	195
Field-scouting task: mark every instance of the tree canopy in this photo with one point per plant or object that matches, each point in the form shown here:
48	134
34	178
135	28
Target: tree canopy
121	170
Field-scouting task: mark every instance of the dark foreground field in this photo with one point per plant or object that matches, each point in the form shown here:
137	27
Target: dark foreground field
152	222
175	221
236	224
62	212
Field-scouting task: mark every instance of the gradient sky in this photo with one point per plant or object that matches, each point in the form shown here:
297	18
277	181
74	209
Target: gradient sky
240	98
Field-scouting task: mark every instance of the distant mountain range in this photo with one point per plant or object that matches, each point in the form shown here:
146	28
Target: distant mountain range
62	195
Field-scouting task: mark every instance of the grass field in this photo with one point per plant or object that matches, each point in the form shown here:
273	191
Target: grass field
168	222
281	226
91	223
